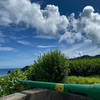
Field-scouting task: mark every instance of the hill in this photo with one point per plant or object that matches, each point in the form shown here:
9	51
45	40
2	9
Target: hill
87	57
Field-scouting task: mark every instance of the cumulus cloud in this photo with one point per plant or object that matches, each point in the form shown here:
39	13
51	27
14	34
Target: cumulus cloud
89	23
71	37
47	20
85	28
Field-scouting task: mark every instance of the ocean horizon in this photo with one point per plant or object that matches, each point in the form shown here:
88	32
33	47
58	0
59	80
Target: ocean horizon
4	71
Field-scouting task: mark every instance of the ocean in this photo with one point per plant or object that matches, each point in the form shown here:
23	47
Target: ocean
3	72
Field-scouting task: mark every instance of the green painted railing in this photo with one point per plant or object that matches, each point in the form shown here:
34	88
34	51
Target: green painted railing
92	91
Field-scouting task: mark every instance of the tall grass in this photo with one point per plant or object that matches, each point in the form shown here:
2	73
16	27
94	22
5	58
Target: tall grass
81	80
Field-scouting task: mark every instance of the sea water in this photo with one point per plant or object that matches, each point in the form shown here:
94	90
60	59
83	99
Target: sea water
3	72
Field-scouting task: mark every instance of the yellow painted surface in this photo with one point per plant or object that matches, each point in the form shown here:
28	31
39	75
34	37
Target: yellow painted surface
59	87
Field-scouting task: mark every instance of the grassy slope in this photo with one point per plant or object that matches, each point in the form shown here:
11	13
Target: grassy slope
81	80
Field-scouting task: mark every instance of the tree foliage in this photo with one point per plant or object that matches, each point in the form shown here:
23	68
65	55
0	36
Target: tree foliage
84	67
51	66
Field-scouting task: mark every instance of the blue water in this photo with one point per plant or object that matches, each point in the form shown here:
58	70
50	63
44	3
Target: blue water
3	72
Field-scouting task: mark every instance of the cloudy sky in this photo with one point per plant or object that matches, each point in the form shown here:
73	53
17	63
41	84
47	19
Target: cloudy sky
31	27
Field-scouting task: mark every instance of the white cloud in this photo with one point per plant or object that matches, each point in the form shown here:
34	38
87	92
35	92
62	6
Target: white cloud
71	37
48	20
6	48
80	49
46	46
44	36
89	23
85	27
23	42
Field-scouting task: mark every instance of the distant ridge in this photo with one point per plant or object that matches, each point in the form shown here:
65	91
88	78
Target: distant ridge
25	68
87	57
81	57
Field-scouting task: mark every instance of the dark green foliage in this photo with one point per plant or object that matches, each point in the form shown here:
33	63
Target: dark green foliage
85	67
87	57
52	66
25	68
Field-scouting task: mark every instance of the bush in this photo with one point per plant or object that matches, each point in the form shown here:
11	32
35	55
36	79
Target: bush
49	67
9	84
30	72
85	67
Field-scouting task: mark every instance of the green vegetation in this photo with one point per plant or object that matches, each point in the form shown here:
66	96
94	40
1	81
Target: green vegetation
9	84
84	67
50	67
81	80
53	67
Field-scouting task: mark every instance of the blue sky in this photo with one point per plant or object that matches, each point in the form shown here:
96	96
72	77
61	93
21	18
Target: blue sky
28	28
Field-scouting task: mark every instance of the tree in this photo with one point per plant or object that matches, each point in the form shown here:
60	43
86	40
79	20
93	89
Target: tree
49	67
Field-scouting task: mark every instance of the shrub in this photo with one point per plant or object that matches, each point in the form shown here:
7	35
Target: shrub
51	66
84	67
30	72
9	84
